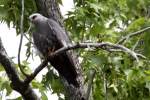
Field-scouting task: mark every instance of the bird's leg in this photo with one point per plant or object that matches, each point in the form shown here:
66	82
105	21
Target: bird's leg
51	50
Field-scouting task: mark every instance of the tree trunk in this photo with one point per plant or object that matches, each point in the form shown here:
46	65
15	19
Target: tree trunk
50	9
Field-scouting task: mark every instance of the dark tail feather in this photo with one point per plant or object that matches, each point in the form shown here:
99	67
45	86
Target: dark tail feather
66	68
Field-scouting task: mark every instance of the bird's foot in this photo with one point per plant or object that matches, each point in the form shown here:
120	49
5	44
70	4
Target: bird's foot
51	50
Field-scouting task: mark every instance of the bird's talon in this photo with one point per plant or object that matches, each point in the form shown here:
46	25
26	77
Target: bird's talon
51	50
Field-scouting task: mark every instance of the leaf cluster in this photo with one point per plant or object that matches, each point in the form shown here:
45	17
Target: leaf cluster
118	75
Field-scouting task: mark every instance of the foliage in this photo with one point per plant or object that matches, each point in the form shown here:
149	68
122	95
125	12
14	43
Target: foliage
11	12
118	76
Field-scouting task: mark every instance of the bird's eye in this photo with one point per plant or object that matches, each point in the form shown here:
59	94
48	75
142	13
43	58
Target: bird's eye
34	17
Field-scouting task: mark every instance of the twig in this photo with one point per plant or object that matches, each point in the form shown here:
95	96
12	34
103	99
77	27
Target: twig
135	45
90	83
21	38
103	45
37	70
132	34
140	55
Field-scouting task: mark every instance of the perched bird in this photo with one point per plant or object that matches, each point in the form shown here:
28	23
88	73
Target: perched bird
49	37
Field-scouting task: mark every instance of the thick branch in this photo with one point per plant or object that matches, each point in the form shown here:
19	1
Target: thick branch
24	89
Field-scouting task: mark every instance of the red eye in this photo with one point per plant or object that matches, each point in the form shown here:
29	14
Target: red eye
34	17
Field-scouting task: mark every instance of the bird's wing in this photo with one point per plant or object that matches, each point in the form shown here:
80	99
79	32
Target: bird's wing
63	39
67	59
59	32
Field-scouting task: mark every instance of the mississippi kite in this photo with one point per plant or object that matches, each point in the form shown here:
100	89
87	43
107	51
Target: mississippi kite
50	36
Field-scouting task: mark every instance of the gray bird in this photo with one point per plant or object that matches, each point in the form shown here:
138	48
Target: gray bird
49	37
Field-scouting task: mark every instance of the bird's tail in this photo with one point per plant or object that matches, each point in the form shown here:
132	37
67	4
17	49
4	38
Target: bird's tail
65	66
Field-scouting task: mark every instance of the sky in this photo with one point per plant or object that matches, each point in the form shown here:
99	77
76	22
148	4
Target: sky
11	43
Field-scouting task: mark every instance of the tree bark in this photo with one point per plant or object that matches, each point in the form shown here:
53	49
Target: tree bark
50	9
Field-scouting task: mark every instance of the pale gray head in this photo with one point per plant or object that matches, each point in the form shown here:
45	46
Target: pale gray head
36	18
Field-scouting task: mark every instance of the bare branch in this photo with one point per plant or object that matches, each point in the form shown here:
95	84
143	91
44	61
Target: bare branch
135	45
141	56
132	34
104	45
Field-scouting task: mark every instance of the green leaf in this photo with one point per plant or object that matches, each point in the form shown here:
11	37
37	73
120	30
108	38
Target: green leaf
1	68
44	97
146	44
18	98
8	89
136	24
60	2
114	87
97	29
52	81
3	13
98	59
38	85
4	84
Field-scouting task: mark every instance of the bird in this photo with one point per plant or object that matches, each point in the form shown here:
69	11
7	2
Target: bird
48	37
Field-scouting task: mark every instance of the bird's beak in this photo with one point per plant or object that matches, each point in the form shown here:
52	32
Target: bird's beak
30	18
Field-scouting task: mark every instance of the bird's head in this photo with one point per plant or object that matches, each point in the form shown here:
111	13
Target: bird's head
36	18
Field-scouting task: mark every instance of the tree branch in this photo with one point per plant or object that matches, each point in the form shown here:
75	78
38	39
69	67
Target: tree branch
132	34
104	45
36	71
24	89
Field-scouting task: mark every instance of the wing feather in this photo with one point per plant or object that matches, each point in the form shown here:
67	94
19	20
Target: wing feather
59	32
67	58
